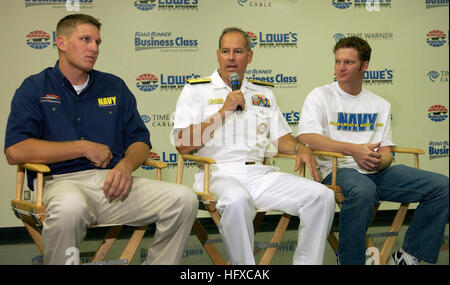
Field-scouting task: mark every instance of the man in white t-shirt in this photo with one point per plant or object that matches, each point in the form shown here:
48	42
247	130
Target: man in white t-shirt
343	117
207	122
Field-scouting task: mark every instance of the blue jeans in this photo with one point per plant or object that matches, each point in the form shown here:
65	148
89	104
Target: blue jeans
397	183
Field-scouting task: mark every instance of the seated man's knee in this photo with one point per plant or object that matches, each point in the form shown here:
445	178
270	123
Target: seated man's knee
69	211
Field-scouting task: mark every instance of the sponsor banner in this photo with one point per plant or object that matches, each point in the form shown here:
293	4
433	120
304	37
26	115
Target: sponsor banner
438	149
437	113
436	3
164	41
279	79
286	39
69	5
438	76
168	5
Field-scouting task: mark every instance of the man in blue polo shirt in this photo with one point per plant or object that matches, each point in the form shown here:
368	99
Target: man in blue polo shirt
85	125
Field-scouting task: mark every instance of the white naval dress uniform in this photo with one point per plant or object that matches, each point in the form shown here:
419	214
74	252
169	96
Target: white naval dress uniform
239	180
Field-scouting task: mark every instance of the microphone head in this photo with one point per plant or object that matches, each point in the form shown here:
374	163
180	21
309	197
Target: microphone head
234	81
234	76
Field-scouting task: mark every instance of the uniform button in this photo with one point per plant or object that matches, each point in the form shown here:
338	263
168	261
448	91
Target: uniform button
53	109
110	112
82	138
78	119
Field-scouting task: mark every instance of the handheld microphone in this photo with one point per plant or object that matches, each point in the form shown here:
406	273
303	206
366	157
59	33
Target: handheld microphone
234	80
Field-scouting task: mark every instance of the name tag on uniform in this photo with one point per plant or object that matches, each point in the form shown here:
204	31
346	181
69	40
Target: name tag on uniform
215	101
260	100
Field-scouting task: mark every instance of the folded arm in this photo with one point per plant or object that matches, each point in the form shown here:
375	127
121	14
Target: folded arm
368	156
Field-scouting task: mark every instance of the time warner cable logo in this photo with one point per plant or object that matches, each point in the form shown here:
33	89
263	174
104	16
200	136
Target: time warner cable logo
438	76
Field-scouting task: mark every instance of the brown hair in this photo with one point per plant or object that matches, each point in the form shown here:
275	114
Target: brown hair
361	46
67	24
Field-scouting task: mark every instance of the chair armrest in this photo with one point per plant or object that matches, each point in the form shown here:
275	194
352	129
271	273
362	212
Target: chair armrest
38	167
155	163
206	195
197	158
408	150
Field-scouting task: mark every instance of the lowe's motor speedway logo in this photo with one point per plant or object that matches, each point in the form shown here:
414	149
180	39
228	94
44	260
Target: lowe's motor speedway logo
164	41
148	82
436	38
274	40
437	113
38	39
382	76
279	79
369	5
147	5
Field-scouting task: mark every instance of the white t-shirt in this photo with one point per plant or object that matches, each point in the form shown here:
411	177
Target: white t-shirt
243	137
79	88
331	112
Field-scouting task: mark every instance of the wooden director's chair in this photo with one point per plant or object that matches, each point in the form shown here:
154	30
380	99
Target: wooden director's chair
32	214
395	227
208	203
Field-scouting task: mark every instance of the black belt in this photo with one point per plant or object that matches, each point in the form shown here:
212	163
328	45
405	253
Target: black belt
250	162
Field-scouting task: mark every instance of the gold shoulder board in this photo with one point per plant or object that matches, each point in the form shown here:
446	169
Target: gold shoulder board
199	80
261	83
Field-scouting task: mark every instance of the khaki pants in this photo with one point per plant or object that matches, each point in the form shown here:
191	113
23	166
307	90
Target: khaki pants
75	201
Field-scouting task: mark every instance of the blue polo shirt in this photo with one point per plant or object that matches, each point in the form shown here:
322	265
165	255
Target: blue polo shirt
47	107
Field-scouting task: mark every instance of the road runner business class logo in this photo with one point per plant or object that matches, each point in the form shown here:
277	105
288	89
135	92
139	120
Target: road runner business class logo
164	41
435	3
438	149
61	4
279	79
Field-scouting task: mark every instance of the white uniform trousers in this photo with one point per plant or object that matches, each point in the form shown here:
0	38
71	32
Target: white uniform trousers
243	189
75	201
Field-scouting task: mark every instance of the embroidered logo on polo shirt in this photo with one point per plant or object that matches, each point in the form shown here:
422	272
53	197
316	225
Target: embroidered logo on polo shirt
50	98
107	101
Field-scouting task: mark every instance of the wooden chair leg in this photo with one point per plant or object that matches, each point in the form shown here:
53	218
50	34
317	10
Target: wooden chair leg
133	243
276	238
36	235
333	241
204	239
107	244
395	227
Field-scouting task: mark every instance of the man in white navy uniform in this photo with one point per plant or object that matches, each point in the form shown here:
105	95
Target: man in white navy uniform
344	117
206	122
